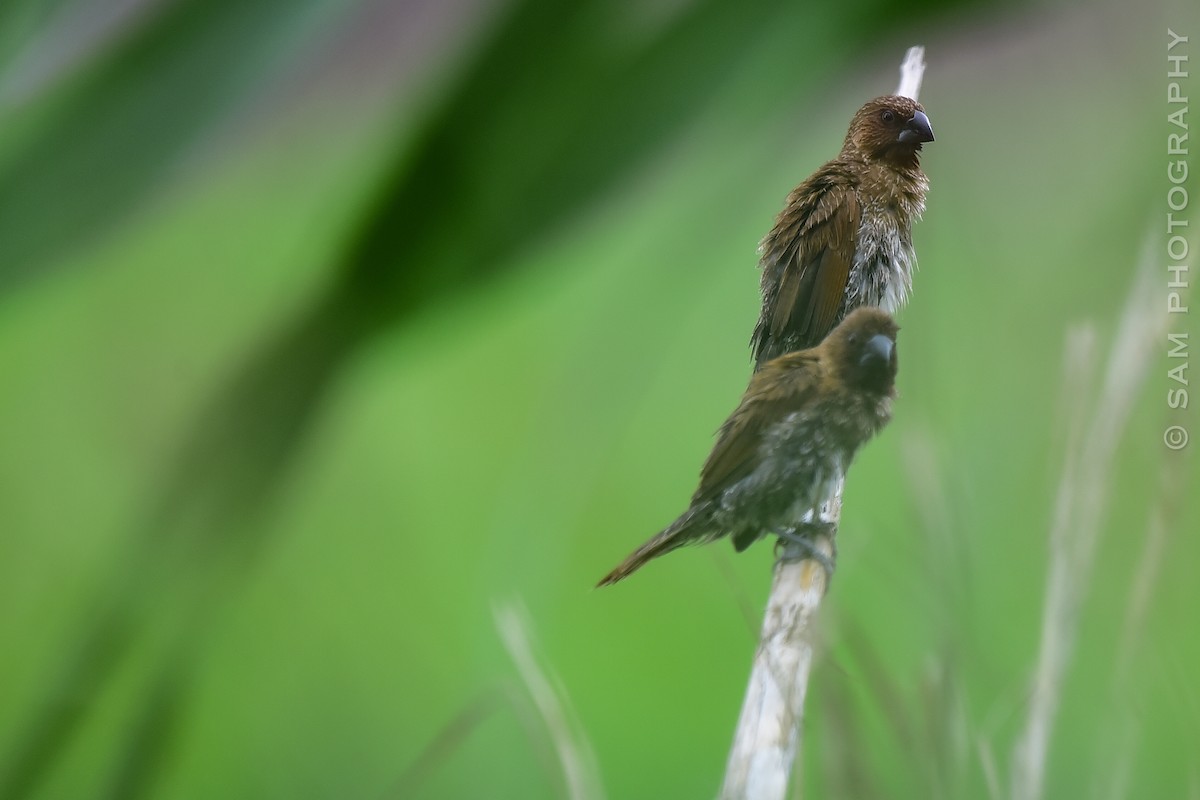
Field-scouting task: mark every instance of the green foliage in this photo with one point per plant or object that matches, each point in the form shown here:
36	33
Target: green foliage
325	326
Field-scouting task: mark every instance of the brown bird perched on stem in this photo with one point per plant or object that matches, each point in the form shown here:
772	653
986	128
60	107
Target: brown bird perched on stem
844	239
790	441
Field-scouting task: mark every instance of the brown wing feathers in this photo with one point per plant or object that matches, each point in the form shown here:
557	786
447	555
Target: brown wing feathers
767	399
807	256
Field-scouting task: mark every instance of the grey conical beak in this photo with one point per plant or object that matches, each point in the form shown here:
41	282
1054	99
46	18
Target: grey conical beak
878	348
917	129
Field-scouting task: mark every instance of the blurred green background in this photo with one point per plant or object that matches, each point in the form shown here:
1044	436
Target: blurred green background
325	326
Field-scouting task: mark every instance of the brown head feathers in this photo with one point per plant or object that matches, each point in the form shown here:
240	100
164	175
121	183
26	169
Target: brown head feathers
890	129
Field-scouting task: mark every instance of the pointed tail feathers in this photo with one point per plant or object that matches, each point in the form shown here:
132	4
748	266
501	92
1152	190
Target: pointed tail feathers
692	526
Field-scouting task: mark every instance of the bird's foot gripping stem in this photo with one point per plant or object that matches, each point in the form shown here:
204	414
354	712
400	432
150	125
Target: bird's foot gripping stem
800	543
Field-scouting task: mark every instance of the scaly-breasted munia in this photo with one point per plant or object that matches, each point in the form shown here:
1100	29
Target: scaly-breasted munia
780	455
844	239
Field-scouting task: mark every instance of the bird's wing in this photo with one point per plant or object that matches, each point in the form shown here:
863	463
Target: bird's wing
767	400
809	254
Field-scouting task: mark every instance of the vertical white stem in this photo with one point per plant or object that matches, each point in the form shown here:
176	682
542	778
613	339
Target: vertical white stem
767	739
912	70
768	732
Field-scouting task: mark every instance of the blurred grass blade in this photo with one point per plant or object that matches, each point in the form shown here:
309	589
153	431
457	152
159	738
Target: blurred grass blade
78	158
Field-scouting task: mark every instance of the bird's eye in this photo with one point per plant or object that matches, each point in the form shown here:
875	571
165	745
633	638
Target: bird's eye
887	116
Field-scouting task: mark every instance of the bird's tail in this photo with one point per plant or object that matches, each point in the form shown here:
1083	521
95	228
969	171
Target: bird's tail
692	526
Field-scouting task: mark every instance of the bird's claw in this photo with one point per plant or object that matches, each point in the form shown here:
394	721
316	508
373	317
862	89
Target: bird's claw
805	537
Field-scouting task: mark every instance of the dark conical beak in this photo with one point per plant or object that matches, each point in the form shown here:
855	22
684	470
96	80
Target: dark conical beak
917	129
879	348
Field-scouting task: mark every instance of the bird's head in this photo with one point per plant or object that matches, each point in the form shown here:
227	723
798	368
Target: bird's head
862	351
890	129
